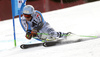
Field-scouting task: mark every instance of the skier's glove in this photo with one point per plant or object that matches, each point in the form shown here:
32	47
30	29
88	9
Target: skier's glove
34	33
30	34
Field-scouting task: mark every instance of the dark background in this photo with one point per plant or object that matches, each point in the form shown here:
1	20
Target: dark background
41	5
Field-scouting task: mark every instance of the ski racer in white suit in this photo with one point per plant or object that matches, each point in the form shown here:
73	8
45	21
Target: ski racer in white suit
33	23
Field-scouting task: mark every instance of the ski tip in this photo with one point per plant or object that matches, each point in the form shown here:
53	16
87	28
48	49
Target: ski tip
23	46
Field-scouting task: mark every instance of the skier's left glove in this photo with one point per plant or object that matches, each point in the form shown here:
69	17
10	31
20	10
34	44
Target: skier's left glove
34	33
30	34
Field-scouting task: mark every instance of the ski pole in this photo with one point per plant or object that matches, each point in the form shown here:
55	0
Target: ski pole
72	33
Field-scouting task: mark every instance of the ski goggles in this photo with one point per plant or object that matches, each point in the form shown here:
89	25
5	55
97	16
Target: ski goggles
27	15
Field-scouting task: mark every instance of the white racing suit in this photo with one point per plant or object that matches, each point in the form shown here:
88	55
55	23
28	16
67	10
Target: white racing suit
39	24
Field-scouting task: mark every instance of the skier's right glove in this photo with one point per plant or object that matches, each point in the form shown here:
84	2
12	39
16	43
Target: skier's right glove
28	35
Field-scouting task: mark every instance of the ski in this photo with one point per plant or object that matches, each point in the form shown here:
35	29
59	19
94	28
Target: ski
47	44
25	46
73	38
51	43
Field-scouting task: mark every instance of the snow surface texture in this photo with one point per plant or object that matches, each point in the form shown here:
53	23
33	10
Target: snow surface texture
81	20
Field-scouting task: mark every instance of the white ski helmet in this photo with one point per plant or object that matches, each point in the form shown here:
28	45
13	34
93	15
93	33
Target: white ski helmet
28	9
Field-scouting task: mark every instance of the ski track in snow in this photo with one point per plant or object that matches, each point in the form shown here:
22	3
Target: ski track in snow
81	20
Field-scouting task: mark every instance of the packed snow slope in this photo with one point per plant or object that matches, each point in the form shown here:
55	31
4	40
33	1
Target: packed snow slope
82	20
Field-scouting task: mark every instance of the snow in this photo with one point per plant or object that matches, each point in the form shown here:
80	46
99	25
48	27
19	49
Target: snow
81	20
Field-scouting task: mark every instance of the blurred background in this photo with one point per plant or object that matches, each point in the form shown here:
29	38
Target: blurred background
41	5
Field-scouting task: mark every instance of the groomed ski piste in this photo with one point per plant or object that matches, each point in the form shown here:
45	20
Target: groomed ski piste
82	20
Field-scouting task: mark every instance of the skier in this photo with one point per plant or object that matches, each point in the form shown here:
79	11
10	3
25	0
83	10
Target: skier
33	23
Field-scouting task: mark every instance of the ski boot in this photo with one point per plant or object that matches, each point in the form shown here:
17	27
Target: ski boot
64	35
